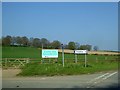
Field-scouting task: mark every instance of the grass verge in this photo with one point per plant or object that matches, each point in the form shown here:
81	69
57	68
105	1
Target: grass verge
34	69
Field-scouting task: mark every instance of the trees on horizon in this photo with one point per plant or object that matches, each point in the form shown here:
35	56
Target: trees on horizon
43	43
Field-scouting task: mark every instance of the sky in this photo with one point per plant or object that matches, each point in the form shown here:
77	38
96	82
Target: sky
0	19
83	22
60	0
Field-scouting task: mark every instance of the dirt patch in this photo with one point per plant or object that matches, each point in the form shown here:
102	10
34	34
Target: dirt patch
10	73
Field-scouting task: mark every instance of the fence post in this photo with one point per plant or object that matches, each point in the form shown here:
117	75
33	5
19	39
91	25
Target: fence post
27	60
105	58
5	62
49	60
96	60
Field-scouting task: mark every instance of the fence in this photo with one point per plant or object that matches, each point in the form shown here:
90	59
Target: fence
19	62
14	62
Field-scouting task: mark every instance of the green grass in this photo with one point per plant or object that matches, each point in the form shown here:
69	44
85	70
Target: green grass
69	69
49	69
20	52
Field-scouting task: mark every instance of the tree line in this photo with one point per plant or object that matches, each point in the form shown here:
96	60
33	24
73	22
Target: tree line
43	43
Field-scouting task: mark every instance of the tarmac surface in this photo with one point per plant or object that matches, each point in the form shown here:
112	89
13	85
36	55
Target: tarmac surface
98	80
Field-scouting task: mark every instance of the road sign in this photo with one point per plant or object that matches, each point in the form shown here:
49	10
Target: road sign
80	51
47	53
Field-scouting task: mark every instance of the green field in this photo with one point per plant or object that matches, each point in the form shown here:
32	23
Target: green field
27	52
95	63
20	52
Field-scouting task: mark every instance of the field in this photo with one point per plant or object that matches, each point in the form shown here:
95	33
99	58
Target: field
93	52
35	53
95	63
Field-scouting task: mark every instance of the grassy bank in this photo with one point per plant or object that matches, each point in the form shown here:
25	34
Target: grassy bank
69	69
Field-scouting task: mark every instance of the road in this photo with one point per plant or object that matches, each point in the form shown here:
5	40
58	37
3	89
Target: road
97	80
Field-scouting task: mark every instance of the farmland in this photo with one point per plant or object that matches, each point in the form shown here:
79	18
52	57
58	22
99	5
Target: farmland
95	63
29	52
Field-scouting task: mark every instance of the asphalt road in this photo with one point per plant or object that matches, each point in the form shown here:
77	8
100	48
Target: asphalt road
98	80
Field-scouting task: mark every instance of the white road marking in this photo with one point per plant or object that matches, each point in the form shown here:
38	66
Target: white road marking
98	77
109	75
101	78
106	77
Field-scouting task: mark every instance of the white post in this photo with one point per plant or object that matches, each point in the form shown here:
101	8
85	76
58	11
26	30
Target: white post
75	58
62	54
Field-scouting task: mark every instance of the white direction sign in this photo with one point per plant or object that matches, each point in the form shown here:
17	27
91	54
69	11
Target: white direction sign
80	52
49	53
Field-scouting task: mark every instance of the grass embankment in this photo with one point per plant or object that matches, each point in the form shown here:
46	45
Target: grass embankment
69	69
96	63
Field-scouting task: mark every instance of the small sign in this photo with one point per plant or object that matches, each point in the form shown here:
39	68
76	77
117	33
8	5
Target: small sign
80	52
49	53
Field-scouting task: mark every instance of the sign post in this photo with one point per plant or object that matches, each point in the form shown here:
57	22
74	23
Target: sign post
81	52
42	49
62	54
75	58
85	60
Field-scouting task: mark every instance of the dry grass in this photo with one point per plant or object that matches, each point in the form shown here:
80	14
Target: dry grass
91	52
